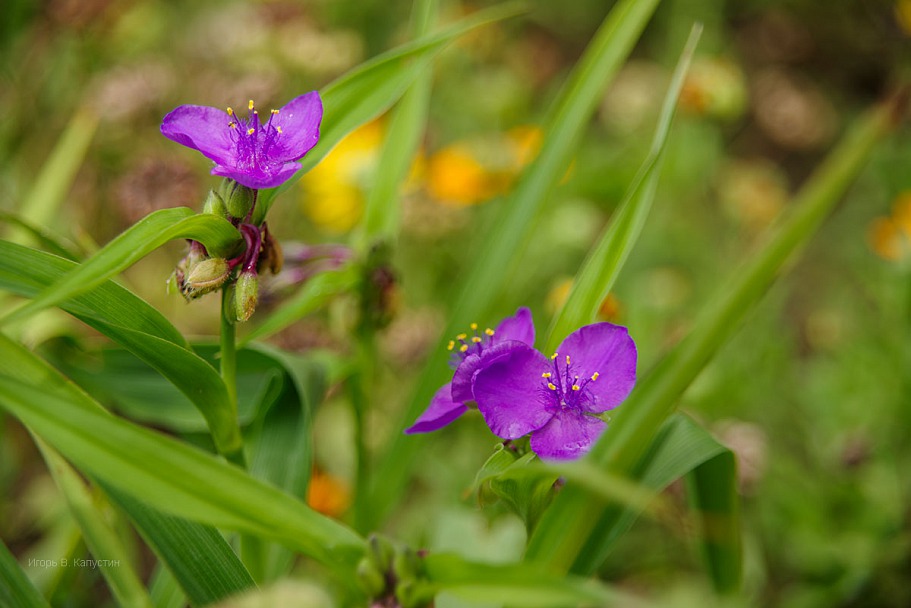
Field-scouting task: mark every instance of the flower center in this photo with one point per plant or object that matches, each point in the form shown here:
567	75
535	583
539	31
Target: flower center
254	141
563	388
465	344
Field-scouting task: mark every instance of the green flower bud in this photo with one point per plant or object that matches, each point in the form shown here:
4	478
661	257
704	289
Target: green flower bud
238	198
245	296
215	205
371	578
382	551
205	276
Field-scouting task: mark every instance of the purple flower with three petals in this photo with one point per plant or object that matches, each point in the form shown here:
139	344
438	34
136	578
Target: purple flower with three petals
469	355
254	153
520	391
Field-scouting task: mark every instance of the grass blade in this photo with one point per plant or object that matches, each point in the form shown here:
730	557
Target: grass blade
600	269
151	232
15	588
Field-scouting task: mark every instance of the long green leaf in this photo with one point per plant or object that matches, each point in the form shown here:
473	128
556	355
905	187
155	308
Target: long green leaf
406	125
517	585
151	232
135	325
366	91
600	269
165	473
572	521
569	117
99	536
41	236
203	563
15	588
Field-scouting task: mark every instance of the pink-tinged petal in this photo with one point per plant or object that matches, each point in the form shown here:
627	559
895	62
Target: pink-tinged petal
608	350
268	176
510	393
517	327
204	129
442	411
568	435
299	121
467	371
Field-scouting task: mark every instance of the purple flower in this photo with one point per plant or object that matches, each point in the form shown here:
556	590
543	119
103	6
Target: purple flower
520	391
469	355
255	154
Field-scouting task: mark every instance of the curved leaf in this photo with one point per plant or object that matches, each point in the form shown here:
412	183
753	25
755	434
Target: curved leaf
15	588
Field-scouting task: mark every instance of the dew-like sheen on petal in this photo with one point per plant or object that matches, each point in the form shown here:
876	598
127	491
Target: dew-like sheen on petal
607	349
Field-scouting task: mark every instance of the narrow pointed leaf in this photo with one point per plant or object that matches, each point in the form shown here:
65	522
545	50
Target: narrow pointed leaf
15	587
600	269
150	233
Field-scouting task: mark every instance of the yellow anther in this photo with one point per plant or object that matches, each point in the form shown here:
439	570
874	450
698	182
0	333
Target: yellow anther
232	124
551	386
279	129
576	387
546	375
567	359
274	112
473	326
250	131
476	339
554	356
595	376
250	105
461	336
463	348
451	345
488	331
230	111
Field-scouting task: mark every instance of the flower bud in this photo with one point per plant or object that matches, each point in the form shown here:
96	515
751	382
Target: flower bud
371	579
205	276
238	198
215	205
245	296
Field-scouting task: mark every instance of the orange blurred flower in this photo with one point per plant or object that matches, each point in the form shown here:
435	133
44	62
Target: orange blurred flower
890	237
327	494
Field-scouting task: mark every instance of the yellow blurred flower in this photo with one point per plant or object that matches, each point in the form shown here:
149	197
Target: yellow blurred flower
334	191
609	310
903	15
890	237
473	171
327	494
714	86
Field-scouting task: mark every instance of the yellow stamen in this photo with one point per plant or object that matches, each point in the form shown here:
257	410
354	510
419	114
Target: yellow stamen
461	336
546	375
567	359
554	356
463	348
451	345
274	112
488	331
279	129
551	386
250	131
476	339
232	124
230	111
576	387
595	376
250	105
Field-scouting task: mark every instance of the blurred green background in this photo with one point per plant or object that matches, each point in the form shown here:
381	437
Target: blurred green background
812	394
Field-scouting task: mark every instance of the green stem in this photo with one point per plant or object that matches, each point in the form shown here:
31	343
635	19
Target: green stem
234	454
358	382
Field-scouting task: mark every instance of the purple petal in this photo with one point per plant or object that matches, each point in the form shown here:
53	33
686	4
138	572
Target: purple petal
568	435
608	350
517	327
201	128
262	176
510	393
299	121
442	411
467	371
